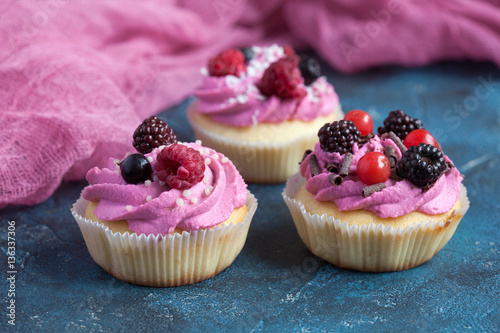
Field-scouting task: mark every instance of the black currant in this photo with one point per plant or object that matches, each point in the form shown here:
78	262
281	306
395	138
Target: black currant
135	169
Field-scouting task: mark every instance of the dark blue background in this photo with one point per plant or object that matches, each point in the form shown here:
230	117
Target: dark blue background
276	284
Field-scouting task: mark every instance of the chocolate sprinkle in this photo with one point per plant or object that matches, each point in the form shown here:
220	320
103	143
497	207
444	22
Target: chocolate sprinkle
394	175
307	152
335	179
369	190
398	142
333	168
344	171
449	166
390	153
364	139
313	163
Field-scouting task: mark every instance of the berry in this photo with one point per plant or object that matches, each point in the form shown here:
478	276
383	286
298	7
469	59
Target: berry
289	51
362	120
135	169
420	136
283	79
400	123
228	62
422	165
247	53
310	69
180	166
373	168
153	133
338	136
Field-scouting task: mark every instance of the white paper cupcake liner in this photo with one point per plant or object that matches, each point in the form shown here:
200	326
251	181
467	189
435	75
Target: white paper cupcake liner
259	162
164	261
370	248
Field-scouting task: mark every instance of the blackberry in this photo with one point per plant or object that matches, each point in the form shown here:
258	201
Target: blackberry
422	165
135	169
338	136
153	133
400	123
310	69
247	53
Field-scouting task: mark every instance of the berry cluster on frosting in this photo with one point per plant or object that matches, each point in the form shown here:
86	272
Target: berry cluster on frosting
421	159
177	165
285	77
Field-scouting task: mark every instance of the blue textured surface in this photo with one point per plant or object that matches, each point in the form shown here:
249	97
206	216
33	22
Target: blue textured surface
276	284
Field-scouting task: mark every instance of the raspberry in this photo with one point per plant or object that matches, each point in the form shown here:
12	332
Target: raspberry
153	133
283	79
289	51
422	165
400	123
228	62
180	166
338	136
310	69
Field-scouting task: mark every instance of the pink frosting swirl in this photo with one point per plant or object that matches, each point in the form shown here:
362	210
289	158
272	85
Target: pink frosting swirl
236	101
155	208
397	199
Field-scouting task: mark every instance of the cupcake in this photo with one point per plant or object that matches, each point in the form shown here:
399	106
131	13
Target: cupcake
261	107
173	214
376	203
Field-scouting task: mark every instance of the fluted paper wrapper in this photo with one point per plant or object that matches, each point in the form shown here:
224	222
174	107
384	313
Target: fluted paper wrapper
259	162
164	260
370	248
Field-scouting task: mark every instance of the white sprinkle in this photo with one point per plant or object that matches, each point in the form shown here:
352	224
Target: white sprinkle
147	183
205	180
194	200
118	171
116	161
161	183
231	100
204	71
250	71
179	202
128	154
215	156
208	189
161	147
150	159
242	99
186	193
232	80
198	142
206	151
155	178
224	159
207	161
129	207
148	198
260	97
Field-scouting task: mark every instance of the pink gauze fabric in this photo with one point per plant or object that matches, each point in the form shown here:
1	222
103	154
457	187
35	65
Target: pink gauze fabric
77	77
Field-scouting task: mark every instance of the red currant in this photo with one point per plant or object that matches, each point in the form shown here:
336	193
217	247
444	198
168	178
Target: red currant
420	136
362	120
373	168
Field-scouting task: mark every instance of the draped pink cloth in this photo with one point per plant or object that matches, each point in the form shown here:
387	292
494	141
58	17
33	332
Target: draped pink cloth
77	77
